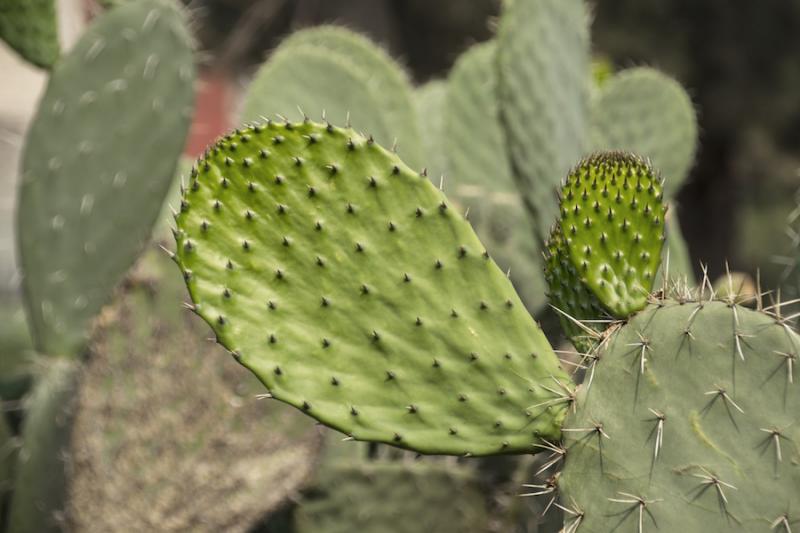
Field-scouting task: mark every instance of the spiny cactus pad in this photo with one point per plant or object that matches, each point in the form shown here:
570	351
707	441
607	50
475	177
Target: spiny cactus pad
348	285
612	227
643	111
30	27
690	424
332	69
99	158
395	497
543	61
480	173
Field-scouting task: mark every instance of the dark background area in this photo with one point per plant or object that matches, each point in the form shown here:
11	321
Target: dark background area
740	61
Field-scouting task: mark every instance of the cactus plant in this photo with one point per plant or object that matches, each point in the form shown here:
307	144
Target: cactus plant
30	27
77	168
345	282
390	261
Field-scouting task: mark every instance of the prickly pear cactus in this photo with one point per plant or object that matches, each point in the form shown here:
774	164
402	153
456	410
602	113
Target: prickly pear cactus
38	501
105	141
394	496
345	281
689	425
481	178
30	27
344	74
544	96
604	252
193	447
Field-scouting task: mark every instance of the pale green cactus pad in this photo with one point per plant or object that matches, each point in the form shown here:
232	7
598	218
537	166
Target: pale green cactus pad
344	74
481	178
397	497
612	227
345	281
544	96
689	424
30	27
99	159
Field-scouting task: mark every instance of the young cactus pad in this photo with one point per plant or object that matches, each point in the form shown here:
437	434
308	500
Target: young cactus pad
689	424
346	282
611	230
99	159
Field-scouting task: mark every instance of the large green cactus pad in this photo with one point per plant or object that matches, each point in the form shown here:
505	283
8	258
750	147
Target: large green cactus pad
30	27
353	290
332	69
543	61
612	224
396	497
690	424
480	172
643	111
98	160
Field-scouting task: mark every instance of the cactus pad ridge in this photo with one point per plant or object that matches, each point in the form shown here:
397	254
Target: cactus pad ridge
347	284
612	228
689	424
105	141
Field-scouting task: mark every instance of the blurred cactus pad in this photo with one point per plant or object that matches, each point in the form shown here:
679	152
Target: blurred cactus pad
77	171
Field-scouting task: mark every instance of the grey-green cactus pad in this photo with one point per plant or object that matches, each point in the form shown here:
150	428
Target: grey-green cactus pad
353	290
30	27
543	62
99	158
690	424
332	69
643	111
